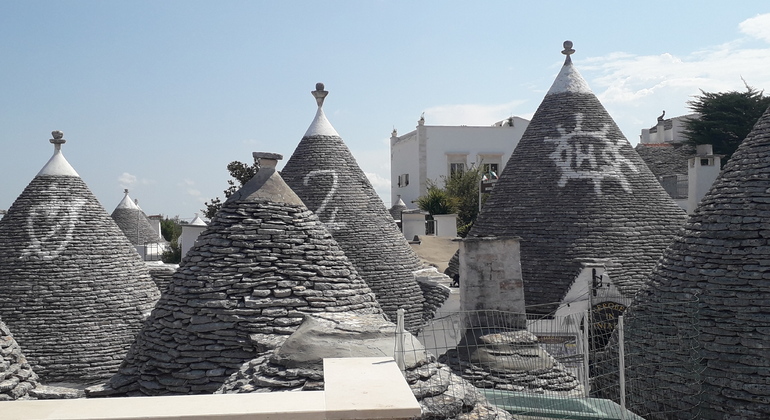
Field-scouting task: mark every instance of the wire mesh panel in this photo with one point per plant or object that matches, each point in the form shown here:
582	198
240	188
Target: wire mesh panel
662	363
552	367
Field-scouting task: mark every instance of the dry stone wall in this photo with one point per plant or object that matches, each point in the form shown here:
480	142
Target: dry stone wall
75	292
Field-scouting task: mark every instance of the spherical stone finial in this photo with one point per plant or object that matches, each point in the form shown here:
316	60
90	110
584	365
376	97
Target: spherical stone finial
319	94
568	48
58	139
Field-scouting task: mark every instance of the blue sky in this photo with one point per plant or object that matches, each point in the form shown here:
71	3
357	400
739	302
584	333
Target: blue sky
158	96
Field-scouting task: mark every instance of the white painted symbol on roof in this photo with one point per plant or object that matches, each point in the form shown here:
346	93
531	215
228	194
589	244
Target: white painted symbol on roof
589	155
60	218
331	223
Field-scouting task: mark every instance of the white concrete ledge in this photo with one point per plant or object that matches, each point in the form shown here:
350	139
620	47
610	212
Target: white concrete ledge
355	388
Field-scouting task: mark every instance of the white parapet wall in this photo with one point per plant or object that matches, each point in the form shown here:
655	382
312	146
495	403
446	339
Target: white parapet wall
355	388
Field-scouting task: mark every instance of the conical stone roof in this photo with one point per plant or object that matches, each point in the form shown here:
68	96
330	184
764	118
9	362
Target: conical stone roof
700	334
74	291
324	173
16	375
134	223
264	262
575	189
395	211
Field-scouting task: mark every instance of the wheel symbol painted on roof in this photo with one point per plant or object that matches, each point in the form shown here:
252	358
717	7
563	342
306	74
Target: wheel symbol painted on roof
331	222
589	155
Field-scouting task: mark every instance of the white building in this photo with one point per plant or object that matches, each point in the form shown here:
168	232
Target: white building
432	152
666	131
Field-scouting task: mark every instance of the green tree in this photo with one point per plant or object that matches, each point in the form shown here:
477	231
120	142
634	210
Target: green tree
464	186
171	229
462	191
725	118
437	201
241	173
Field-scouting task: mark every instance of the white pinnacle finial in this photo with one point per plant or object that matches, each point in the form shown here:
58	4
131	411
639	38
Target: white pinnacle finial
57	165
320	125
569	79
319	94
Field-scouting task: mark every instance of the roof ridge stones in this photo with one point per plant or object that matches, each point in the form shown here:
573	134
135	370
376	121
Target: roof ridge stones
574	188
324	173
712	288
75	292
261	265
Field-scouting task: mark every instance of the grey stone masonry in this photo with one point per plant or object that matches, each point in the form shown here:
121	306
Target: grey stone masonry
16	375
264	262
510	361
74	291
161	273
136	226
666	160
297	365
324	173
575	189
720	266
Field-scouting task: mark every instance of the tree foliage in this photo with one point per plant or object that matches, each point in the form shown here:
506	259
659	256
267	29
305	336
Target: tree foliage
171	229
437	201
240	173
462	191
725	118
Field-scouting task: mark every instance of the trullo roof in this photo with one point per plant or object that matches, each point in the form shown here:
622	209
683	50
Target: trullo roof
262	263
74	291
324	173
575	189
700	334
134	223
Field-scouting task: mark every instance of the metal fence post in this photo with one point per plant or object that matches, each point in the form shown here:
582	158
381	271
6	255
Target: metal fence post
399	353
622	364
586	359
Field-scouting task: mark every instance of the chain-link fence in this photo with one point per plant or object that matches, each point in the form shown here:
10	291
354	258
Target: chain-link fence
575	366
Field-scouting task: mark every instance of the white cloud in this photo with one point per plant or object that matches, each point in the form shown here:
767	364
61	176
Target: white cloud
469	114
757	27
126	180
636	88
193	192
